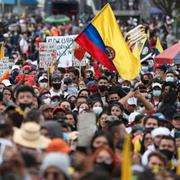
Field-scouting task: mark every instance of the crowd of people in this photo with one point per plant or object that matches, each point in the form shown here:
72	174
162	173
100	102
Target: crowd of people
40	112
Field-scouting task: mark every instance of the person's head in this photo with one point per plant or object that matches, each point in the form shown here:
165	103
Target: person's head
55	100
46	111
146	140
71	118
25	96
55	166
116	109
43	81
176	121
113	96
83	93
158	133
97	106
170	76
7	94
82	85
131	104
101	138
156	160
156	89
56	83
81	100
103	84
117	130
151	122
58	113
83	107
102	120
65	105
105	158
167	146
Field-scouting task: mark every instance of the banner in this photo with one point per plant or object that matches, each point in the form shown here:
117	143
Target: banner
5	65
47	54
62	43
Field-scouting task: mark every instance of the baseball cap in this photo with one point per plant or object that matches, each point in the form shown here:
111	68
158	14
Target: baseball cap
41	78
132	101
156	85
6	82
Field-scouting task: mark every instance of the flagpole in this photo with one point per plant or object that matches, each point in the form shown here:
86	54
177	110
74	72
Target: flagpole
65	50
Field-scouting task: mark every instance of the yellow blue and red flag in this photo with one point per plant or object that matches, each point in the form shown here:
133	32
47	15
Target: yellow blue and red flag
103	39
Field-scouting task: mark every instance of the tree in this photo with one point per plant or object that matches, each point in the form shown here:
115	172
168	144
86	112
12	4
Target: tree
167	6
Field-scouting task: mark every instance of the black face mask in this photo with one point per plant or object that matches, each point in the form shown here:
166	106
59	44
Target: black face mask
103	88
126	89
145	81
56	86
23	106
106	167
167	153
113	101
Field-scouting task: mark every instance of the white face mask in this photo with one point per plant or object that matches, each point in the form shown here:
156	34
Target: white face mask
43	84
97	110
46	101
81	110
55	103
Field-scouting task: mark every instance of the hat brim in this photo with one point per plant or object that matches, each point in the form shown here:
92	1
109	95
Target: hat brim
41	142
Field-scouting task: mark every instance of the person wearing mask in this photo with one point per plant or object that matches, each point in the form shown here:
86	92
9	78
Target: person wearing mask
157	134
102	89
156	93
167	148
56	86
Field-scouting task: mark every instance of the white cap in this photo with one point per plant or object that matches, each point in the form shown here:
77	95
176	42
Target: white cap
41	78
161	131
6	82
156	85
132	101
132	117
15	67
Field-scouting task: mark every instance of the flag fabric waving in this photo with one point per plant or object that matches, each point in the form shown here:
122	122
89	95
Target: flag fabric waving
126	163
103	39
2	51
158	47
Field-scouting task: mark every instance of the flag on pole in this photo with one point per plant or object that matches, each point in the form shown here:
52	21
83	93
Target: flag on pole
2	51
136	51
126	172
158	47
146	51
103	39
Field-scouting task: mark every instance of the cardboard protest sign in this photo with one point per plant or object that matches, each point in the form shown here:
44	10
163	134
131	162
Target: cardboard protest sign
63	43
5	65
47	54
86	128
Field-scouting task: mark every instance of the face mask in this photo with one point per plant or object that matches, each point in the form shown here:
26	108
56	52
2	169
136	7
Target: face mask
144	68
156	93
112	101
81	110
66	136
103	88
145	81
43	84
97	110
158	76
167	153
169	79
56	86
126	89
55	104
106	167
46	101
23	106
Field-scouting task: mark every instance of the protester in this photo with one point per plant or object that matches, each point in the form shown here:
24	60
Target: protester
42	134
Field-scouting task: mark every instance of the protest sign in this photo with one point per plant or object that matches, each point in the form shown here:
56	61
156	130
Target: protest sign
65	50
63	43
47	54
5	65
86	128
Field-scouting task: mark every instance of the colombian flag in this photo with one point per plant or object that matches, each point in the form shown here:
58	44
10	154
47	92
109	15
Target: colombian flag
103	39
